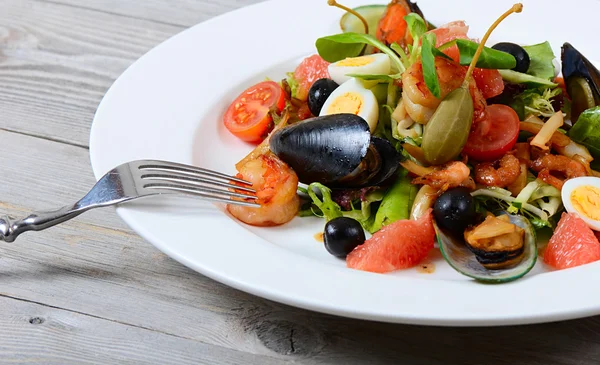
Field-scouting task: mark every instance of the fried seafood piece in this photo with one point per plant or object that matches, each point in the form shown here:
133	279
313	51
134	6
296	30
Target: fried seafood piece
276	186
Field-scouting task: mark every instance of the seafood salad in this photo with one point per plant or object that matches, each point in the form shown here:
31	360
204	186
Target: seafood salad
407	137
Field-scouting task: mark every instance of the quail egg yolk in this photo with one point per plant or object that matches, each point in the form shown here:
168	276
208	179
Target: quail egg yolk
586	200
349	102
356	61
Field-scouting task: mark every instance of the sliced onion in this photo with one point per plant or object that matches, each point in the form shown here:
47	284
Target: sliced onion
547	131
424	200
416	169
585	162
573	149
557	138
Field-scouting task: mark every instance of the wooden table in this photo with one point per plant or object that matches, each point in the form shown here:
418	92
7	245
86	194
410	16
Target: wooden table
92	291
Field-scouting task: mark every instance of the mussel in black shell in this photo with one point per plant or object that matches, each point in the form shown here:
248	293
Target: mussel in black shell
491	261
582	79
336	150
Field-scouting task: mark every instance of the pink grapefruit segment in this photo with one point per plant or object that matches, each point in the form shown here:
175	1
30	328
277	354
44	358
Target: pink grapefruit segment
400	245
572	244
308	71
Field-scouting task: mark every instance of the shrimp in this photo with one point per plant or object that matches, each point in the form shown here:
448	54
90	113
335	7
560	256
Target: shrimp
451	175
507	172
549	165
275	184
420	104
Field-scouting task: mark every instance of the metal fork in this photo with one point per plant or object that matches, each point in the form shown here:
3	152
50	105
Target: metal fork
134	180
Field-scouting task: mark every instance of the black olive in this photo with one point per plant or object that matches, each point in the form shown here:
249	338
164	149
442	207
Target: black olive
318	93
518	52
454	210
342	235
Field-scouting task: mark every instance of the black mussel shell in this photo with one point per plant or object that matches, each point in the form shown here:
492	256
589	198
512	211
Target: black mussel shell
574	64
414	8
390	160
323	149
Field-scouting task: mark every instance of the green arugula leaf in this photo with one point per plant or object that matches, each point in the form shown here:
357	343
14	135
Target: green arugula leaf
438	53
490	58
428	59
526	79
541	57
337	47
416	25
384	78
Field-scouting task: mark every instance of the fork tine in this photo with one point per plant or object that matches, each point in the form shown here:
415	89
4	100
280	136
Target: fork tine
195	181
209	196
203	190
173	167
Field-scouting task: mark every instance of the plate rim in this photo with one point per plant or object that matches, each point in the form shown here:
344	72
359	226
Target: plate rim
132	217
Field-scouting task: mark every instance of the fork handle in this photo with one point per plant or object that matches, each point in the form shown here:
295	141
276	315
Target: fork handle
37	221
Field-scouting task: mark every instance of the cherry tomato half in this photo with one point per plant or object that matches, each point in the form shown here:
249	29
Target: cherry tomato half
501	137
248	117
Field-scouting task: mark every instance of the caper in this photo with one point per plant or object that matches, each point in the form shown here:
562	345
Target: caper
447	131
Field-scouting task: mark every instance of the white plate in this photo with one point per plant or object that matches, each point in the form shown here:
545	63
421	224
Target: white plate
168	105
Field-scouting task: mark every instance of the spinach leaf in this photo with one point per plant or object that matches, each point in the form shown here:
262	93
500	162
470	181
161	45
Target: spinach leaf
490	58
337	47
587	131
541	57
428	59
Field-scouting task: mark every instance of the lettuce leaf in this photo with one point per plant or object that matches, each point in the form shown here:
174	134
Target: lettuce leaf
541	57
293	83
325	207
587	131
538	101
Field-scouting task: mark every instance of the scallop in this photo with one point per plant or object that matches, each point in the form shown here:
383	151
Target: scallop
581	196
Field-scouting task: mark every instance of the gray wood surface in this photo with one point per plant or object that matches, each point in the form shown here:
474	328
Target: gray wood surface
91	291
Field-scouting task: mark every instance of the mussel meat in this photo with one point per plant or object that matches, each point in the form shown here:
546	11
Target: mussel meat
582	79
336	150
494	262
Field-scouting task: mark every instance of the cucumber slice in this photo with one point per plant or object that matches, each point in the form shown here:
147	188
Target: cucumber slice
521	78
372	13
581	95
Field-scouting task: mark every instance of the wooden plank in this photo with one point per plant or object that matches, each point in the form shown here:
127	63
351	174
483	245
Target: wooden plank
177	12
57	61
85	266
32	332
